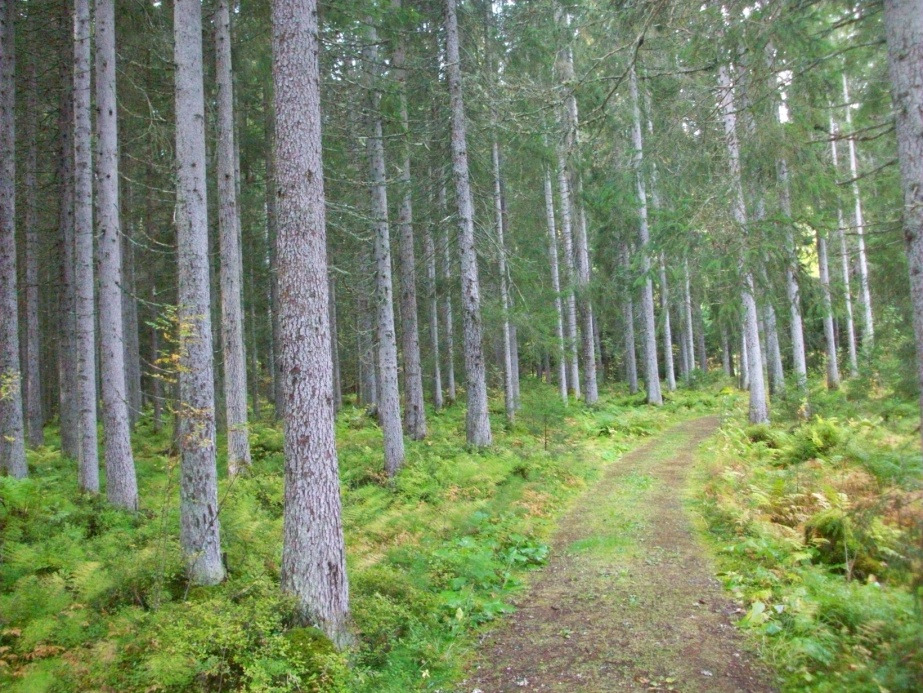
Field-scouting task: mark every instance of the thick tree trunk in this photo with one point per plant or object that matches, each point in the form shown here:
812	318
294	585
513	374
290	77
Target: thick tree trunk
478	423
904	25
313	553
67	337
32	380
509	394
648	321
429	251
121	483
389	401
447	318
868	327
232	316
200	530
791	283
12	445
844	264
414	412
83	253
570	275
556	285
759	408
823	266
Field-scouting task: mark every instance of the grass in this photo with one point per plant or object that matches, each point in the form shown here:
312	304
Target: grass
93	598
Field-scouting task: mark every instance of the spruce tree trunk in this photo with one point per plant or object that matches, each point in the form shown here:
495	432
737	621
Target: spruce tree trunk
570	277
368	371
689	330
744	360
271	235
231	266
823	266
389	401
868	327
509	394
32	380
726	356
904	26
121	483
667	331
88	478
791	283
200	530
683	350
130	325
700	339
12	445
648	321
478	424
628	315
772	354
844	264
447	319
556	285
759	408
429	251
67	337
414	413
313	552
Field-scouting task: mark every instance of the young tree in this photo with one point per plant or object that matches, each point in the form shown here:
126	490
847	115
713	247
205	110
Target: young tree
904	25
313	553
200	530
232	318
121	483
477	428
12	446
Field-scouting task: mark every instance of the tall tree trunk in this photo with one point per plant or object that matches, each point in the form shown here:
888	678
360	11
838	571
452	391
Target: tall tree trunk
700	339
509	394
683	348
200	530
556	285
231	267
368	371
772	354
868	327
687	315
726	356
130	324
32	392
313	553
648	321
121	483
83	252
628	315
447	319
844	263
833	369
271	235
414	413
429	251
667	331
570	275
759	408
389	402
791	283
67	337
478	423
904	25
12	445
744	361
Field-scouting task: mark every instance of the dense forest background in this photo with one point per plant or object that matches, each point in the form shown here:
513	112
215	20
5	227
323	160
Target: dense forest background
311	268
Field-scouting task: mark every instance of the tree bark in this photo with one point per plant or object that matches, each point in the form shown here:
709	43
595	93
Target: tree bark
447	319
687	315
844	263
570	275
759	408
83	253
904	27
556	285
389	401
12	445
478	431
313	552
628	315
414	412
833	369
231	266
868	327
791	283
121	482
648	321
429	251
200	530
509	394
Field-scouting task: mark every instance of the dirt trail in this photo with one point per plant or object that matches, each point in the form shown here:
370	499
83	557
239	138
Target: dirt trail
628	601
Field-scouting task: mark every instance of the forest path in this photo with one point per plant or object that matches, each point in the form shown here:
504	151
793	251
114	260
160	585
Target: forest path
628	601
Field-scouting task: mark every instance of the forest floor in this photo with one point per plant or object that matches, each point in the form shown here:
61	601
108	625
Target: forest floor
628	600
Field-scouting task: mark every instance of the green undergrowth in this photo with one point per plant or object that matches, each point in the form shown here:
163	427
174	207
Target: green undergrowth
93	598
817	525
